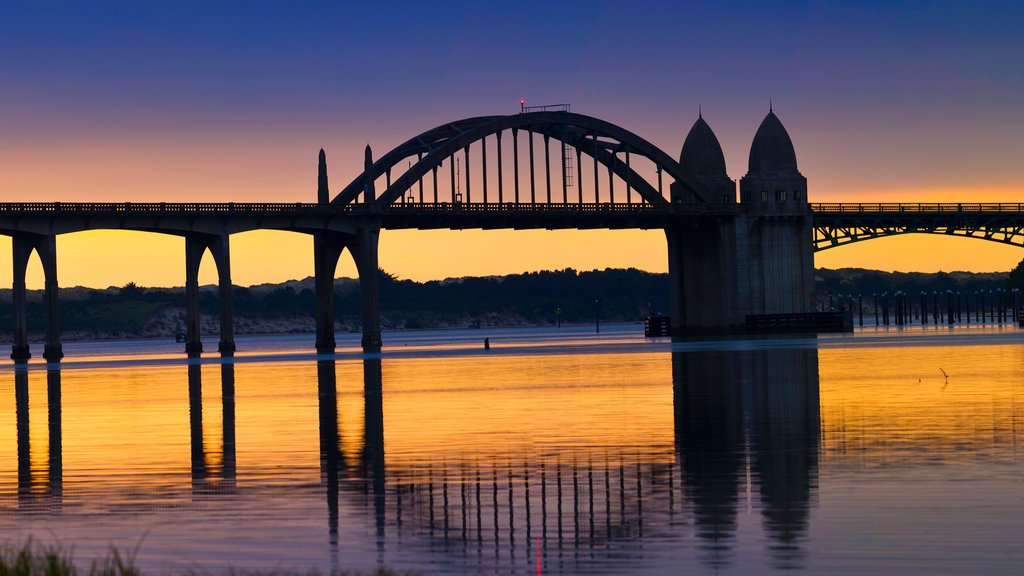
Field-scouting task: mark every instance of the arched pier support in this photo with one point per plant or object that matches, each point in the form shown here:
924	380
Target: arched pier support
327	248
46	247
364	251
219	247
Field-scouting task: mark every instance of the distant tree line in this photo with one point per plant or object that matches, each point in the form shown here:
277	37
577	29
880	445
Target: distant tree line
534	298
854	281
547	297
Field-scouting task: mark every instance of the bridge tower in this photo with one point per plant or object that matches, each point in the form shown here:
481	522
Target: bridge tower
774	232
757	262
363	244
701	254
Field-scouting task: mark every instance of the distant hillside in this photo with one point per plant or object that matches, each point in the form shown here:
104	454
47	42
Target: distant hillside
534	298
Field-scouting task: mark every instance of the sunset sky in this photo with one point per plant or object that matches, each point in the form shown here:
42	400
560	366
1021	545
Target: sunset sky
193	101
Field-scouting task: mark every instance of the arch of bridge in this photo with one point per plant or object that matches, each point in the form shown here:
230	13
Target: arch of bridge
434	146
824	242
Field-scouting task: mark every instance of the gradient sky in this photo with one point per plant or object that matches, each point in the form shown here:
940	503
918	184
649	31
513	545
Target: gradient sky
178	101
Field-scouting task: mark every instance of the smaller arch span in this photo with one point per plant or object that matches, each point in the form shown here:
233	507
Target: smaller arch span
837	238
838	225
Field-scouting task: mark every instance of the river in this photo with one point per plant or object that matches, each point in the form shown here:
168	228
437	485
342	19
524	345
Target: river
558	451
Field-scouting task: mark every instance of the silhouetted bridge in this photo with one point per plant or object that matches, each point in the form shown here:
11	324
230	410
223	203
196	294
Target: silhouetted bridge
556	170
835	224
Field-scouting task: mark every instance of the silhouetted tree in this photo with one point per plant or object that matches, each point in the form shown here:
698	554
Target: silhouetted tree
131	290
1016	278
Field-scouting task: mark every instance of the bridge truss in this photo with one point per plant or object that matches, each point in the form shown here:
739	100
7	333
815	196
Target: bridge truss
837	225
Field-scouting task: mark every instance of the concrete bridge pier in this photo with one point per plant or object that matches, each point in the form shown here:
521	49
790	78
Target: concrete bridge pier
194	249
195	246
702	278
220	250
46	247
327	248
365	254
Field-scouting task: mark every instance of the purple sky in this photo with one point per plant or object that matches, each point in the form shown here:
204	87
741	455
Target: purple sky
230	101
877	96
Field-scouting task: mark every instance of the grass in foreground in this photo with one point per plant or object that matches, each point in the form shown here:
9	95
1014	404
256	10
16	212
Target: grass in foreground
31	559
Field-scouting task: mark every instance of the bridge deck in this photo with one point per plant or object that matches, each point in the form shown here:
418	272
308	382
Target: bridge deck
918	208
476	207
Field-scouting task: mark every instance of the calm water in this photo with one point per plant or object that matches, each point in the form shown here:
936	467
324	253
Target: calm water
587	454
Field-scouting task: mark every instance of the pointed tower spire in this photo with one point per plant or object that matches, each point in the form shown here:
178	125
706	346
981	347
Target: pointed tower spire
369	193
700	113
323	190
769	105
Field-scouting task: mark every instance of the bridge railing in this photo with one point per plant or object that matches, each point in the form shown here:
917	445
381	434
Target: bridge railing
560	208
929	208
453	208
158	207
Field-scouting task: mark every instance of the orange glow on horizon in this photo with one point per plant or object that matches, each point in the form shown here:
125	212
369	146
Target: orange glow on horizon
100	259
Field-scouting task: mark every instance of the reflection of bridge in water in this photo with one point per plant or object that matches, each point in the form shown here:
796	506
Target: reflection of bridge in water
749	419
728	257
740	418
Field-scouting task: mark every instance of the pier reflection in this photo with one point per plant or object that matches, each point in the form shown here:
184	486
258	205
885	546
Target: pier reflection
747	428
740	432
212	477
748	420
40	485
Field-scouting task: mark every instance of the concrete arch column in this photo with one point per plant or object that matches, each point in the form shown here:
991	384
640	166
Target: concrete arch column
327	248
46	247
365	254
219	246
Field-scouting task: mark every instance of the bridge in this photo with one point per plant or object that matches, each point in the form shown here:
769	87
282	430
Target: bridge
728	257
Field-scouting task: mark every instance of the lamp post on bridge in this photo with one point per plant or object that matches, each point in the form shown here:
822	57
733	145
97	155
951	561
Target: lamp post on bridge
597	315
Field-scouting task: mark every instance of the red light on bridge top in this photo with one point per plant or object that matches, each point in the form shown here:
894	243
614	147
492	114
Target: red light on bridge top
521	101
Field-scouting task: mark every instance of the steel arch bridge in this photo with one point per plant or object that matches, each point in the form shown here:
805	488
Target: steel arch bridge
537	169
838	225
610	148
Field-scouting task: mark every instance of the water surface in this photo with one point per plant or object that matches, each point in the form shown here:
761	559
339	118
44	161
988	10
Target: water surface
584	453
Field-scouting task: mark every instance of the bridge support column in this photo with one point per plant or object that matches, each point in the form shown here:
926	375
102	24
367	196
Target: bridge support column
327	248
194	249
22	251
364	251
702	263
220	249
46	248
779	268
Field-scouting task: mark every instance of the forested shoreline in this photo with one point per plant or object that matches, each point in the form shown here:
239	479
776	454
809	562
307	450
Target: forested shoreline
533	298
